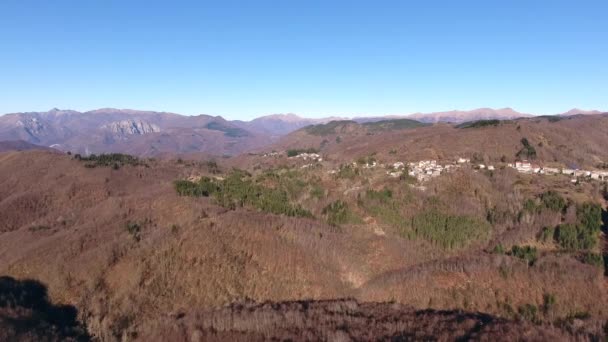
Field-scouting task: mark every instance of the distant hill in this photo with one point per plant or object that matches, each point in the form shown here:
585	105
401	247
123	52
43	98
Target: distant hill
330	127
394	124
351	126
575	141
576	111
20	145
281	124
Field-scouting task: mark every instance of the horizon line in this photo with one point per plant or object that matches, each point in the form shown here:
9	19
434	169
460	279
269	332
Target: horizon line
336	116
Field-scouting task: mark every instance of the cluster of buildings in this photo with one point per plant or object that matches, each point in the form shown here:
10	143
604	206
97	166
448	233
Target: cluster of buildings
306	166
425	169
271	154
368	165
484	167
397	170
315	157
531	168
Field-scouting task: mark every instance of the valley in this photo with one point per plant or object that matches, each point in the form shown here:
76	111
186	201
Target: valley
344	171
329	218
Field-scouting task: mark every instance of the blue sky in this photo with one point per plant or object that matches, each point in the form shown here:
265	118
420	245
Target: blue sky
242	59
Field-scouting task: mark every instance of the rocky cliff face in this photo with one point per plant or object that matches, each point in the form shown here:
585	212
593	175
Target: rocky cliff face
31	125
131	127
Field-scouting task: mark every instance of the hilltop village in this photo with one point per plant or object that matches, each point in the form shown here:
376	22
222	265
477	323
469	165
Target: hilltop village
424	170
527	167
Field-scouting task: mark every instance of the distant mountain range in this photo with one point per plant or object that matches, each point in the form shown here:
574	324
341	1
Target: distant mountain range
458	116
150	133
144	133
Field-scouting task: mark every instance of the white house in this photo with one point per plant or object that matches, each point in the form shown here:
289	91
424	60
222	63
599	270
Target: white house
312	156
580	173
524	166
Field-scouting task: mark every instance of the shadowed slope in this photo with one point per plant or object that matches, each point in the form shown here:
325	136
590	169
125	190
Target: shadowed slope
343	320
27	315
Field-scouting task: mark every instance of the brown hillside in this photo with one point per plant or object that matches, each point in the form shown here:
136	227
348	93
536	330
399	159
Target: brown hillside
121	246
575	141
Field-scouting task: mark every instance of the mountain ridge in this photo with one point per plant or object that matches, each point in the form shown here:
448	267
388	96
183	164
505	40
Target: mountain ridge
124	130
149	133
291	116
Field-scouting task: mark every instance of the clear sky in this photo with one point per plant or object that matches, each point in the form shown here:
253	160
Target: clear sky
242	59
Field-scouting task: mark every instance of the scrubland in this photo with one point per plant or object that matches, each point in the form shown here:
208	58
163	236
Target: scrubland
137	246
